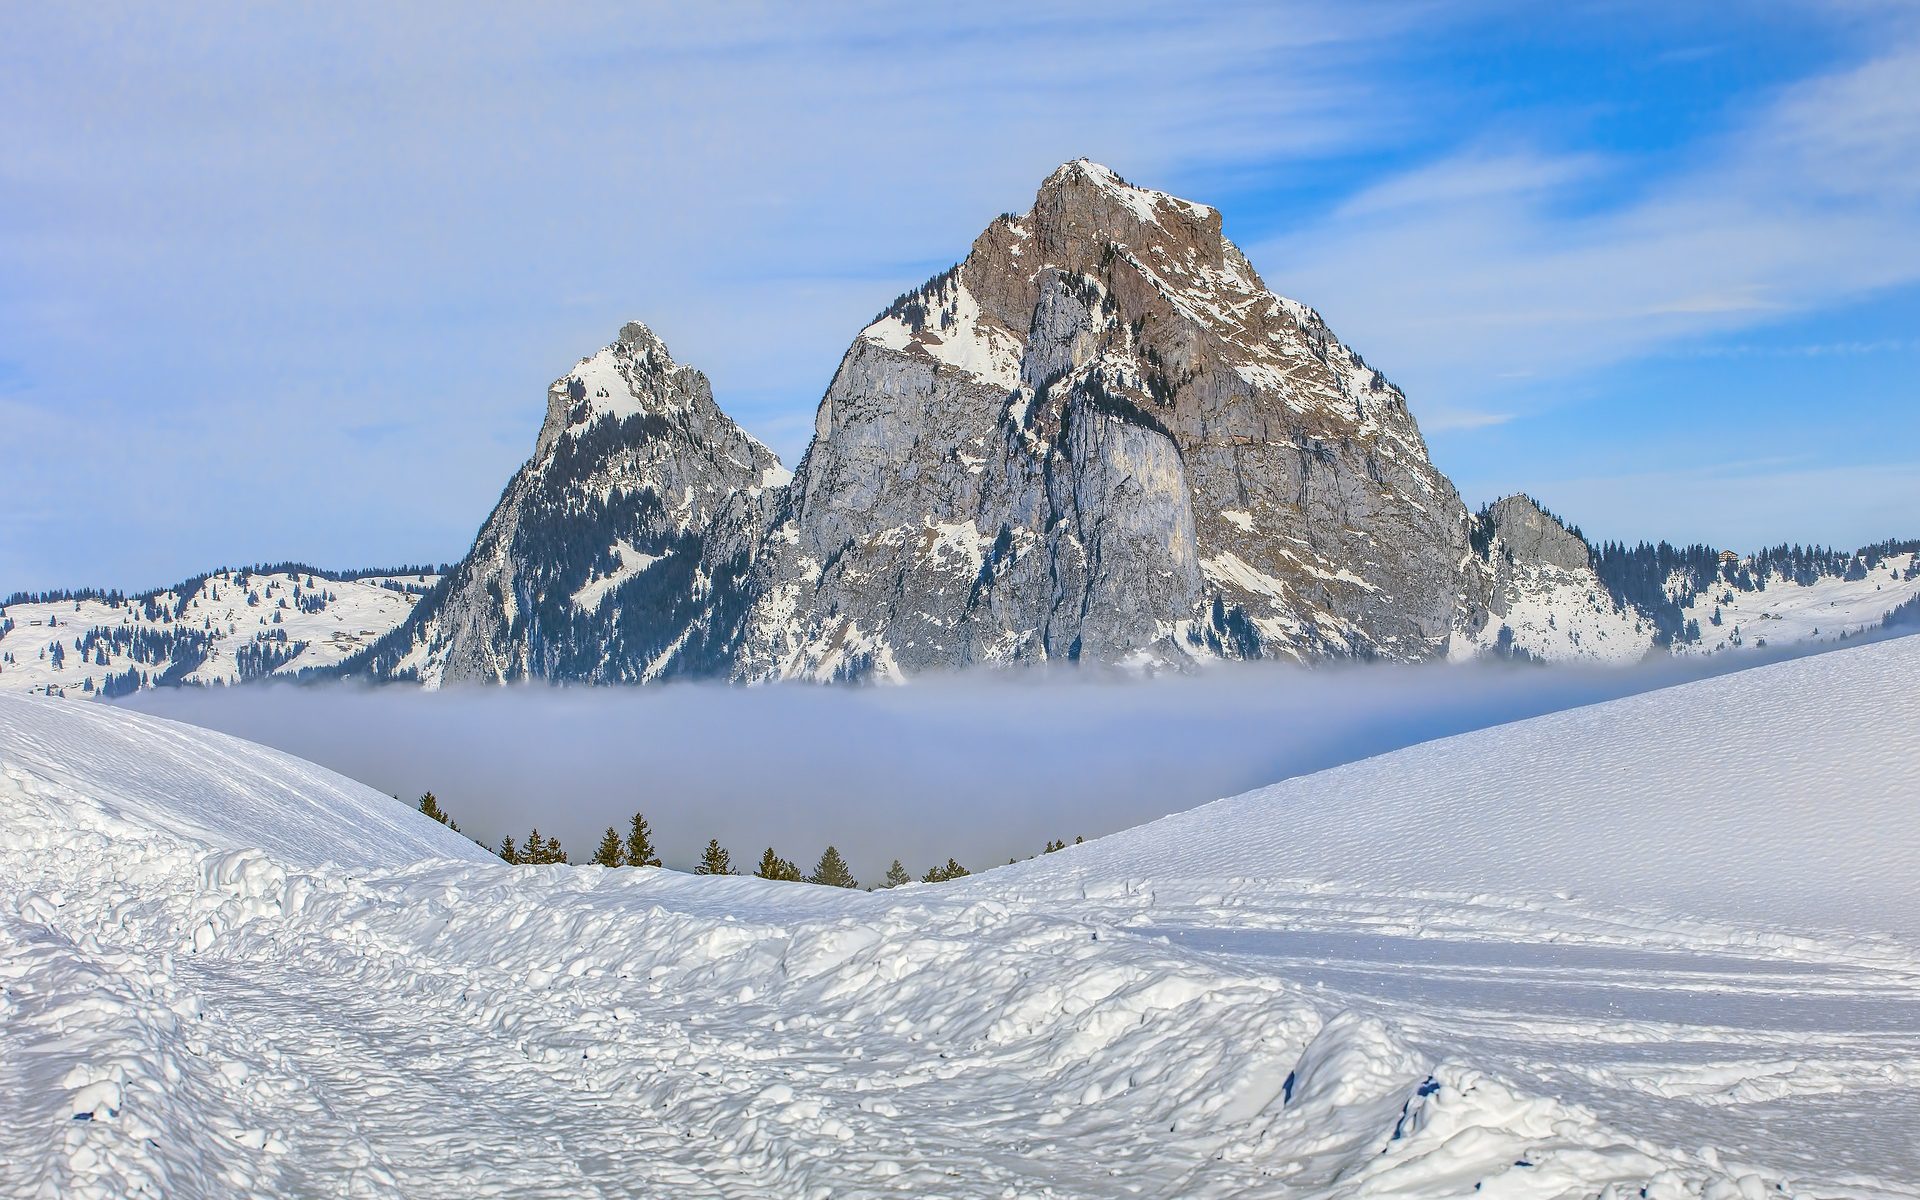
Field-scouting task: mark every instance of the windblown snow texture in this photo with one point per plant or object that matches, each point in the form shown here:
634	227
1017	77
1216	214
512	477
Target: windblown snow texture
1231	1003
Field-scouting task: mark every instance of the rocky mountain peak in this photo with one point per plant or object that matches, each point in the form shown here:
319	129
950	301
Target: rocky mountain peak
1100	435
1097	437
1533	534
638	338
1083	208
596	561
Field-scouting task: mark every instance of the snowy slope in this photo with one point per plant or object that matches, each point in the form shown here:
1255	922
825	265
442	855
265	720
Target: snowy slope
1784	612
1160	1014
1560	616
1689	912
1780	796
122	774
209	631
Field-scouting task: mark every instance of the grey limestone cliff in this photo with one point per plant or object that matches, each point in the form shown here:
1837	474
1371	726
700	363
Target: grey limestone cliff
1101	437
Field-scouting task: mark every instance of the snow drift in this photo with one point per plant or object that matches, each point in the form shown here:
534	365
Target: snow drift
232	975
1783	795
72	764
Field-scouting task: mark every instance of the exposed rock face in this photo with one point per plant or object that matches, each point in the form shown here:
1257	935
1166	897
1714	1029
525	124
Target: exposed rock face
608	557
1529	590
1100	436
1535	535
1097	438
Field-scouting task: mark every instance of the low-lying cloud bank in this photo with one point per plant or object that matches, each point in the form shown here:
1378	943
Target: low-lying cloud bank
980	767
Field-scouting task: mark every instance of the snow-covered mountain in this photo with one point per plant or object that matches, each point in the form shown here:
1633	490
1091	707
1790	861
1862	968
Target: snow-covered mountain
1101	437
1098	437
1652	947
226	627
609	555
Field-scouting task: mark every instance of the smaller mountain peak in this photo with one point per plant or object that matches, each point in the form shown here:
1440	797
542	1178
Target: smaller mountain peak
1535	533
641	344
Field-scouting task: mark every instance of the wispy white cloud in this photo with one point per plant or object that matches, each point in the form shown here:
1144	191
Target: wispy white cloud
1803	349
1482	266
280	225
1442	419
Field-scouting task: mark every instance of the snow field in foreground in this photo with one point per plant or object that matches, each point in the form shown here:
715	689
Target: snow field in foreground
355	1010
1781	798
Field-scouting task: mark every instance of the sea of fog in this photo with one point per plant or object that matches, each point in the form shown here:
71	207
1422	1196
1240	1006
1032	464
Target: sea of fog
981	767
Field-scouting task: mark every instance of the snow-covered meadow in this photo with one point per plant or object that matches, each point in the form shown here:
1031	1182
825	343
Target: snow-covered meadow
1662	946
226	627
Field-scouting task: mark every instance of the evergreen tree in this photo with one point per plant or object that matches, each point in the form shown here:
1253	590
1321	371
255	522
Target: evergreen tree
715	860
953	870
430	807
772	866
508	851
832	871
640	851
541	852
896	875
611	853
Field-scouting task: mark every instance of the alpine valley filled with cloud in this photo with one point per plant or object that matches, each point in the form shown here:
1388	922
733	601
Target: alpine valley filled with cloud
1550	864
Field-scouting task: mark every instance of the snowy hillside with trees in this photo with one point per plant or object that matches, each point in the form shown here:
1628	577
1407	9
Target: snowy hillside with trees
230	626
1656	947
1552	596
1098	438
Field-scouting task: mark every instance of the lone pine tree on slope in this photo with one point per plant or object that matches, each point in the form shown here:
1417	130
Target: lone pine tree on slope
715	860
640	851
430	807
832	871
896	875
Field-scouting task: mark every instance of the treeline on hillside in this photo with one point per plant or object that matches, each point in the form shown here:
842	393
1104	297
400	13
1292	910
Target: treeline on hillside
177	651
63	595
636	849
1903	615
1659	578
192	583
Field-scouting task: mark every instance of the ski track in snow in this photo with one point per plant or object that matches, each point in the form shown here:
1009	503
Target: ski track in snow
1219	1004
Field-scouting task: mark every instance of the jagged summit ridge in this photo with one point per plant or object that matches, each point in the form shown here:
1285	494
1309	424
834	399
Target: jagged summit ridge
594	564
1099	436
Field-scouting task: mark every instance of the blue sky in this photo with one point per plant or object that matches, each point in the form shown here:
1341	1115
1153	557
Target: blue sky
281	283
